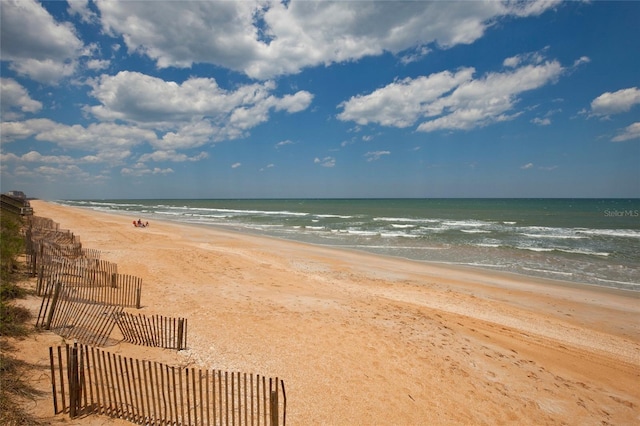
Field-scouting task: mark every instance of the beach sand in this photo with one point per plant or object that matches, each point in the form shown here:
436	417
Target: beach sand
361	339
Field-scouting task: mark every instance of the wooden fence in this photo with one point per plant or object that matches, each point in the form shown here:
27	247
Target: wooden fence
89	324
80	272
88	314
126	290
42	244
154	331
88	380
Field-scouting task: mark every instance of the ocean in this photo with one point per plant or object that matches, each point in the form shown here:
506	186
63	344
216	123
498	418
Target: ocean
590	241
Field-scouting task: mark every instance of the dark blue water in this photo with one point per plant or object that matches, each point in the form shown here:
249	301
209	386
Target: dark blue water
592	241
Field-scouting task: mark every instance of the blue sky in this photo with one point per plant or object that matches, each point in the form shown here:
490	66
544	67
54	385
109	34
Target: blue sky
252	99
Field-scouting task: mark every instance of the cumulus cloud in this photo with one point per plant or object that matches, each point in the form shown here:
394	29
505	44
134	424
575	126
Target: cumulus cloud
64	171
527	166
170	155
264	39
82	9
615	102
16	130
402	102
196	111
34	44
630	132
449	100
97	64
141	170
110	142
15	100
236	165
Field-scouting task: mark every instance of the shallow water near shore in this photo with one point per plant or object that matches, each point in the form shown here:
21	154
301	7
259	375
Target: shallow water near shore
592	241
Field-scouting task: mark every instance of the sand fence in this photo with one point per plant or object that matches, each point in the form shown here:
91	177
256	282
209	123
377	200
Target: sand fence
89	380
83	298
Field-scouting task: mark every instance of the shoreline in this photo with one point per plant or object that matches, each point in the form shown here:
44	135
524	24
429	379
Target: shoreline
360	338
434	263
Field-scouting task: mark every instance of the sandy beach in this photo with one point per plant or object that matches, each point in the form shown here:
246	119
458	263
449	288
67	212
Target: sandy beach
361	339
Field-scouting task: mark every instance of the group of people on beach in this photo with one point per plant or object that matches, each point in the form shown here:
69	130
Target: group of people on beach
139	224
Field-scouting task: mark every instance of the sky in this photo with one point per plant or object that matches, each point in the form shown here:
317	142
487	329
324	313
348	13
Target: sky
319	99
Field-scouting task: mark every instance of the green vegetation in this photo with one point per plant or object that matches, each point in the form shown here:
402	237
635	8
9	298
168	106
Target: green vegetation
12	324
11	244
12	318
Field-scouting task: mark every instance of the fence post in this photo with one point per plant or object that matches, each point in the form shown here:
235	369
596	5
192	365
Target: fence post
56	293
273	402
180	332
74	382
138	298
53	381
40	281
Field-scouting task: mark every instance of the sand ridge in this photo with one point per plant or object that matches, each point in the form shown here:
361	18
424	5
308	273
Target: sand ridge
365	339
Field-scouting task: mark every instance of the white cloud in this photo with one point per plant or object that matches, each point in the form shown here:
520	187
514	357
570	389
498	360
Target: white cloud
159	171
35	44
96	136
284	143
488	100
36	157
526	166
375	155
615	102
189	135
66	173
47	71
581	60
402	102
197	110
525	58
110	142
541	121
453	100
15	100
325	162
264	39
236	165
419	53
141	170
97	64
16	130
81	8
160	156
630	132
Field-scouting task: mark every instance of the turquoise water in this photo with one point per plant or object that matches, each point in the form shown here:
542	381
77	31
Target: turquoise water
593	241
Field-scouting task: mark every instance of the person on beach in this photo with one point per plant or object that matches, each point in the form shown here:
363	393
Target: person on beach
139	224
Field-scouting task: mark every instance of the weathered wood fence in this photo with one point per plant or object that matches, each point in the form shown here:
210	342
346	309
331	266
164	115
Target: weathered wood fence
83	298
154	331
90	324
88	380
88	272
125	290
